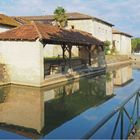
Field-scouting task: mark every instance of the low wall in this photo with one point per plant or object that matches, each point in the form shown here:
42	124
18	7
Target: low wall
110	59
135	58
48	64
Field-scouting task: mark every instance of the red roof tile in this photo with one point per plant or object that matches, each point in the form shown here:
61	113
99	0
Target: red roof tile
50	34
6	20
115	31
24	32
70	16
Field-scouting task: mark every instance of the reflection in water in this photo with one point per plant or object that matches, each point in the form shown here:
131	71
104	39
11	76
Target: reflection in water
109	83
73	99
34	112
22	106
123	76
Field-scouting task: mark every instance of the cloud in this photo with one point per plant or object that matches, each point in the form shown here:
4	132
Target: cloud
123	13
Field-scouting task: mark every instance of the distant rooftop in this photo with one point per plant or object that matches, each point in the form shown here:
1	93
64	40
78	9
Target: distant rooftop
115	31
9	21
50	34
70	16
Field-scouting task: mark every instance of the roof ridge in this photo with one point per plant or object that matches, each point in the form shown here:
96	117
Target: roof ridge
7	20
38	32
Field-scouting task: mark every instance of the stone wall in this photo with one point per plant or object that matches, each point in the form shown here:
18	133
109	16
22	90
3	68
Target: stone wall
98	29
84	25
57	65
24	61
135	58
102	31
116	58
122	44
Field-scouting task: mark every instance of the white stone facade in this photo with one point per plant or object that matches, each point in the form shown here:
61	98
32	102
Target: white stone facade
122	44
102	31
83	24
24	61
98	29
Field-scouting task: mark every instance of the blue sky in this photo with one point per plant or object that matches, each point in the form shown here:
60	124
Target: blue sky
124	14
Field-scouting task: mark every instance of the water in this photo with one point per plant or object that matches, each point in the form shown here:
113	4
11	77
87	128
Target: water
67	110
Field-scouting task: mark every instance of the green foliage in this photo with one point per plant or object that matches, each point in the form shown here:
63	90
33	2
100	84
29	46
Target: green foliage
60	16
135	44
107	43
107	48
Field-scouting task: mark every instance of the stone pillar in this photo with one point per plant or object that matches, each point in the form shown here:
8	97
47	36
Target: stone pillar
101	57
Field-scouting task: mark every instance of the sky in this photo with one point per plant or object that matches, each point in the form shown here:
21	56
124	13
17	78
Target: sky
124	14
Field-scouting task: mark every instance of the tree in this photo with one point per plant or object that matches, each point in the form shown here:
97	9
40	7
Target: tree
135	44
60	16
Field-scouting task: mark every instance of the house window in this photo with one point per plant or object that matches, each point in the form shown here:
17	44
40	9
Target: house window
72	26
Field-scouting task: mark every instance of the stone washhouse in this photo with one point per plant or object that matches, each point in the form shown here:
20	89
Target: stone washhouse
21	51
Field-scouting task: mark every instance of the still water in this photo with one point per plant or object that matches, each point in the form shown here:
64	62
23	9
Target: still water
67	110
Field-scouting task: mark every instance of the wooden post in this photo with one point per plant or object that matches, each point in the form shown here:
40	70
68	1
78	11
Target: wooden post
63	49
102	48
69	50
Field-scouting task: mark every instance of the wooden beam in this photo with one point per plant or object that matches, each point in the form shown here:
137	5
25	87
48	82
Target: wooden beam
61	42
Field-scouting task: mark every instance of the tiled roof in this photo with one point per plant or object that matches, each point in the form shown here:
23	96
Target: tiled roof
21	20
115	31
70	16
9	21
51	17
50	34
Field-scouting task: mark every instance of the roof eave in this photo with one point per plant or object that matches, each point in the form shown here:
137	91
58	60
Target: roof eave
4	24
18	39
121	33
110	24
53	41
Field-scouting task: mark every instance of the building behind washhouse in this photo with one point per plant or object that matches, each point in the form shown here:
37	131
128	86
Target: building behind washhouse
99	28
